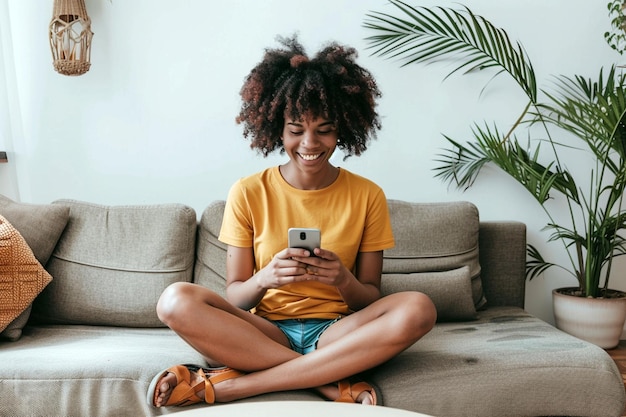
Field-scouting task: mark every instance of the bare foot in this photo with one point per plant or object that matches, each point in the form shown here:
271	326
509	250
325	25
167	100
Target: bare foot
188	385
166	385
332	393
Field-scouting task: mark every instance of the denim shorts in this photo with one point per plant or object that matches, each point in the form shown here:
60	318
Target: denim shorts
303	334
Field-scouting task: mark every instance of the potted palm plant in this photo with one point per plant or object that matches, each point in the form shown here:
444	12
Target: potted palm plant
576	114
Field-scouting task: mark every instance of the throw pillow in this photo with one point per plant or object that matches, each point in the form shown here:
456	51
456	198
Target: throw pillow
41	226
450	291
22	277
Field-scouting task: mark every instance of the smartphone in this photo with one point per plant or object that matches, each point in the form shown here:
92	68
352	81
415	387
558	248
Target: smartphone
305	238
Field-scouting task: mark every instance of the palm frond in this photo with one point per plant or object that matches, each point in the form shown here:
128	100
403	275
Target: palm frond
426	35
536	265
592	111
462	164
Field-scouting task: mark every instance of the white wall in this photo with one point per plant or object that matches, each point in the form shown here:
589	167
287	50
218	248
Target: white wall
8	178
153	120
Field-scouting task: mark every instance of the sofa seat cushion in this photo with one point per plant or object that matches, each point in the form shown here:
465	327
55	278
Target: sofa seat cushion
73	370
112	263
506	363
92	371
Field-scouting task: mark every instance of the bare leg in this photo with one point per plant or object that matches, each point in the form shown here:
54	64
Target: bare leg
223	333
354	344
229	336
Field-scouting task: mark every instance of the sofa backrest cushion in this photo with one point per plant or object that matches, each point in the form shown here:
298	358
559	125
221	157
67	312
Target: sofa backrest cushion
112	263
430	238
435	237
210	270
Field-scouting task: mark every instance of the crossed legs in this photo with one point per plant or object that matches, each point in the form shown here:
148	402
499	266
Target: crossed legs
227	335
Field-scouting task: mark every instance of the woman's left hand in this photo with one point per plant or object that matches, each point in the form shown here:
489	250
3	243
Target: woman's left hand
325	267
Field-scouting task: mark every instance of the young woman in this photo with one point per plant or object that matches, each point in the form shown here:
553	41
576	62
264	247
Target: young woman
295	319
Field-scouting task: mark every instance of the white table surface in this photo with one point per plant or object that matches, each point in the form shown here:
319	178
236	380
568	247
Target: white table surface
296	408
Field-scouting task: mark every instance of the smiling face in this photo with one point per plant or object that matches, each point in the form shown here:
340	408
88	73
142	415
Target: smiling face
310	139
309	143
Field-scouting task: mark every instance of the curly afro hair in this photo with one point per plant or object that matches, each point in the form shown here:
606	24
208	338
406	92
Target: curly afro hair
331	86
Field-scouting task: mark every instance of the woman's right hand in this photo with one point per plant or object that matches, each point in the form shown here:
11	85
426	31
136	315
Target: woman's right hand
283	269
246	290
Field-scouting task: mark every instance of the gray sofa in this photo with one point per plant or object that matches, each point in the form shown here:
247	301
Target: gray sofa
93	341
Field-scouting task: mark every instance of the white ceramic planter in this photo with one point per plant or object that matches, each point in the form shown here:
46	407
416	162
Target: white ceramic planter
596	320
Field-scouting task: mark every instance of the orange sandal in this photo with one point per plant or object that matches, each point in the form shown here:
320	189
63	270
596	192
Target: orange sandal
186	394
349	393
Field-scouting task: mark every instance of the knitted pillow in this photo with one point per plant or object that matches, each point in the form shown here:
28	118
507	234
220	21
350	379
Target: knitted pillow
22	277
41	226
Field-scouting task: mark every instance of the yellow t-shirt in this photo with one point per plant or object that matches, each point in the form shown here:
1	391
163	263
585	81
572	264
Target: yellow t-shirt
351	213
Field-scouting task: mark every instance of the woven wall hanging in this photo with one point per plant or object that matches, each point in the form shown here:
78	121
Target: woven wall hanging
70	37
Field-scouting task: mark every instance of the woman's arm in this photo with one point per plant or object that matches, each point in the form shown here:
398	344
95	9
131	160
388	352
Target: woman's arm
363	289
240	289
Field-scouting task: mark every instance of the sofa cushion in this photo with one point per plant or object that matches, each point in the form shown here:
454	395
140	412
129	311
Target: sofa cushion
450	291
434	237
21	279
96	371
410	221
506	363
210	269
41	226
113	262
87	371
